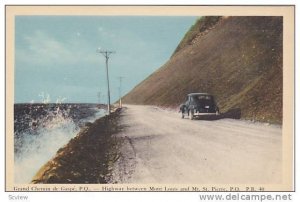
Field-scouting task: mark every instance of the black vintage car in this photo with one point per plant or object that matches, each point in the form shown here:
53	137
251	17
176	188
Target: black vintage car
199	104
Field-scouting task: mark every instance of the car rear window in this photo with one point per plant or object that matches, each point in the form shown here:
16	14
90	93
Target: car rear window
202	100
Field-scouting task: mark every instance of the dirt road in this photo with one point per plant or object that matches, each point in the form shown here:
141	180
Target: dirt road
160	147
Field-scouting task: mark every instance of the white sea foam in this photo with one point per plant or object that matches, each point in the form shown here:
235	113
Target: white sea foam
38	148
41	144
99	113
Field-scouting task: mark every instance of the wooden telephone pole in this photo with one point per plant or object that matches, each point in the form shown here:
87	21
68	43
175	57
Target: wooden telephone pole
106	54
120	91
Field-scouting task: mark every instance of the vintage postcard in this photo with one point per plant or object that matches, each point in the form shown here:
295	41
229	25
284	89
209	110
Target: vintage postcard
149	98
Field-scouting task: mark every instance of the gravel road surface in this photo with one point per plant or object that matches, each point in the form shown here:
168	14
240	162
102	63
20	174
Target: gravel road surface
160	147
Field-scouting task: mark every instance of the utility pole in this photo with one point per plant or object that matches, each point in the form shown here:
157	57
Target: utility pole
120	91
99	97
106	54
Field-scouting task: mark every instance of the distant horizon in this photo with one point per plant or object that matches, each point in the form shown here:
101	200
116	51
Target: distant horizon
56	55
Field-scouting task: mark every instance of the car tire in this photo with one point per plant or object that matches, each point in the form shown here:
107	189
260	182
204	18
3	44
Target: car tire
192	114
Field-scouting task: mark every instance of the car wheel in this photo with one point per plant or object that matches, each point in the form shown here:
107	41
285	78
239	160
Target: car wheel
192	115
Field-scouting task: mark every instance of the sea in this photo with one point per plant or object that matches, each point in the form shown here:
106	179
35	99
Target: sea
40	130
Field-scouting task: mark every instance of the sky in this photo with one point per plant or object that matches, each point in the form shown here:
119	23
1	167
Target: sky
56	56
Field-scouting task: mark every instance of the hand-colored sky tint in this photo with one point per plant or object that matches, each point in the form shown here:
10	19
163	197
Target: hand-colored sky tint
57	54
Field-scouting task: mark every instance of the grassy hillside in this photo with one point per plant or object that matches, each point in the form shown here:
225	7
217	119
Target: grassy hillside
238	59
201	27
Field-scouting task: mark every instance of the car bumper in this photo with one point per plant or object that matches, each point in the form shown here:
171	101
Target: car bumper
204	114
